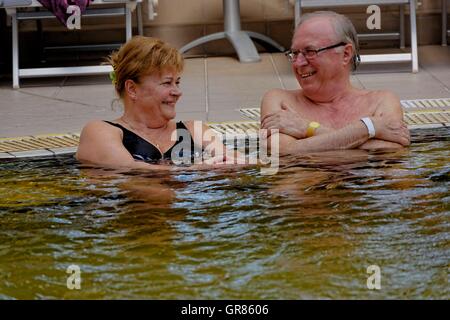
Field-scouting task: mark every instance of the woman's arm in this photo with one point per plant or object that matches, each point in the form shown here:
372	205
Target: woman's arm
101	143
212	144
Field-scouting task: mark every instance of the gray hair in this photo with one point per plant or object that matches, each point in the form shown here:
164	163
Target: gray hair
343	27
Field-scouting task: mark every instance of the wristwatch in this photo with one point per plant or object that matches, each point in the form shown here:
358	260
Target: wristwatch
313	125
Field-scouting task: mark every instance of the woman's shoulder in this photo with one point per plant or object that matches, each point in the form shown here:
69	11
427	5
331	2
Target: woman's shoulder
99	127
101	124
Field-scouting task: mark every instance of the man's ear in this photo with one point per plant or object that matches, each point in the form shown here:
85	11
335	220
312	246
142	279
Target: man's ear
348	54
130	88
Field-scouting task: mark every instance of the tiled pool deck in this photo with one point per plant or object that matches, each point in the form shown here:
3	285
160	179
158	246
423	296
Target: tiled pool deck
214	89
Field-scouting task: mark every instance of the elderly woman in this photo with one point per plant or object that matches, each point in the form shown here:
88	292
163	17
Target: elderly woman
146	78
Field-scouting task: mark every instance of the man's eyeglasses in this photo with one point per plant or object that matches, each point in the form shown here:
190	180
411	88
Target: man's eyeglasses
292	55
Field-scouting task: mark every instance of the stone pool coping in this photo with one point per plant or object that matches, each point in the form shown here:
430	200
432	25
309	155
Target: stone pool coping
419	114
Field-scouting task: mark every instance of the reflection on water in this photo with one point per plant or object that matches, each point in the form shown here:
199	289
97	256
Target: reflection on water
310	231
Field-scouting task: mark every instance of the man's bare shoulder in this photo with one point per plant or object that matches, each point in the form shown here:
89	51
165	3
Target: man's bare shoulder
273	98
384	96
280	93
387	98
385	103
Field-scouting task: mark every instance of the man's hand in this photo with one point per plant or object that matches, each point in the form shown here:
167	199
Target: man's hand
287	121
391	130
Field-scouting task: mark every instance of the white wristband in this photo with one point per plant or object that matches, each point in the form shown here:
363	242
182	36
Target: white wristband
370	127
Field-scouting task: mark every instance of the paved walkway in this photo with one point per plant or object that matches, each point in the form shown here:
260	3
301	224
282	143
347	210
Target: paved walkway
214	89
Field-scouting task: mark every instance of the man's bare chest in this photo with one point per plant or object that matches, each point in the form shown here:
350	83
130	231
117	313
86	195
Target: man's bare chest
339	115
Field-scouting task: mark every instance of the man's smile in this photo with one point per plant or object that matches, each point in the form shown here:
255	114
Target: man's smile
307	74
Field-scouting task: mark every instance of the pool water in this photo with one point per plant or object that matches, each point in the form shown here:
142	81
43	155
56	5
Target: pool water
311	231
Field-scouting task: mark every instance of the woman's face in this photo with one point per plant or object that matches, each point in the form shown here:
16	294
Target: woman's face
159	92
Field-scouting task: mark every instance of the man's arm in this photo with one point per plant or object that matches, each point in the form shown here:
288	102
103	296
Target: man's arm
390	110
351	136
277	114
348	137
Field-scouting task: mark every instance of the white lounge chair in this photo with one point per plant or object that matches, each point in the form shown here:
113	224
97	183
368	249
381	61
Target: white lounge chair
11	7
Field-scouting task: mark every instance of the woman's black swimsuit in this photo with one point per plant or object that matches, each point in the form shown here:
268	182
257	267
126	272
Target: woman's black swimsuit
143	150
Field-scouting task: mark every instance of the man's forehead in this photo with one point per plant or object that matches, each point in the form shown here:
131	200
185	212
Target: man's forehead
316	26
317	30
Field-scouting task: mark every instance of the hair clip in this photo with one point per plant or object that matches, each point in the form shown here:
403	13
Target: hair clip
112	77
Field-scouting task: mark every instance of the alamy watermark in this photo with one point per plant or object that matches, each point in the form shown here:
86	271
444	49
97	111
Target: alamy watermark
74	20
374	20
374	280
74	278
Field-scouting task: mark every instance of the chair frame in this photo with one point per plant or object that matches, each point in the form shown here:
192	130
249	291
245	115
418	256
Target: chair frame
445	28
16	16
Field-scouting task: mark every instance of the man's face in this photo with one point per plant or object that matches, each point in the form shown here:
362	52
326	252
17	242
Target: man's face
317	73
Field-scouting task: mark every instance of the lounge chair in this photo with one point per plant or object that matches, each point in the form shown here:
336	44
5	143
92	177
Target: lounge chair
11	7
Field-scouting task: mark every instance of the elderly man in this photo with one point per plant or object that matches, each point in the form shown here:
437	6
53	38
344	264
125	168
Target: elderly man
328	113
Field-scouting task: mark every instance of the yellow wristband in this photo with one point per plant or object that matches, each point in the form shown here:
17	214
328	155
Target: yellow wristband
312	127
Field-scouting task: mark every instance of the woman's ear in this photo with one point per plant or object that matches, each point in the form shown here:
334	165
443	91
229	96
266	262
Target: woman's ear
130	89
